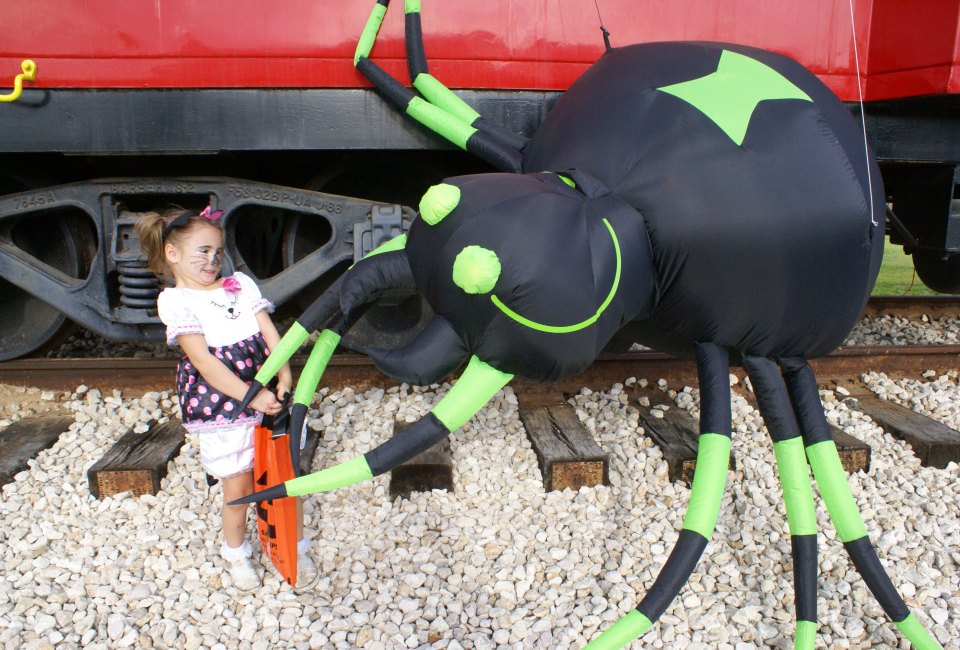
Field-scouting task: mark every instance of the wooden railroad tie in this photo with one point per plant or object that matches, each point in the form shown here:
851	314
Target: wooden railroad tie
23	440
934	443
676	434
137	461
429	470
854	454
568	455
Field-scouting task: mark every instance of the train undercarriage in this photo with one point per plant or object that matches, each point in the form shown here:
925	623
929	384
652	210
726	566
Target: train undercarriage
303	200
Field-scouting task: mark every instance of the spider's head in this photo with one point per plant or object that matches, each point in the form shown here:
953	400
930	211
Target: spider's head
528	270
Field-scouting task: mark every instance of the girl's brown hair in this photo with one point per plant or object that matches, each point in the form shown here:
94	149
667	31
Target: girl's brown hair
150	228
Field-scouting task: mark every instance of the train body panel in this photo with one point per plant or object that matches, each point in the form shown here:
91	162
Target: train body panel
914	49
905	48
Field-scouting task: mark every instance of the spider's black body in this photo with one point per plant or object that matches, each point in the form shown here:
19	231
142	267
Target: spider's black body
767	246
706	199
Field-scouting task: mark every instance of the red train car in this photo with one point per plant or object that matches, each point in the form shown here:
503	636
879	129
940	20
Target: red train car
258	108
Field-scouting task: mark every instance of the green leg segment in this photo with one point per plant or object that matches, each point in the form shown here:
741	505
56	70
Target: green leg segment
806	635
706	493
285	349
369	35
774	402
832	481
628	628
802	520
316	364
306	388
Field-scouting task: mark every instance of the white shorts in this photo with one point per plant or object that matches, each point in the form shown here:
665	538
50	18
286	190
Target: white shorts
227	451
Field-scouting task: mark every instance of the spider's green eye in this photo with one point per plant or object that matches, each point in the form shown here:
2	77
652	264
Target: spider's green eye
476	269
438	202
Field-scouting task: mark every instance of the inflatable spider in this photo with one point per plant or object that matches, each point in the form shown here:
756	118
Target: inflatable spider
706	199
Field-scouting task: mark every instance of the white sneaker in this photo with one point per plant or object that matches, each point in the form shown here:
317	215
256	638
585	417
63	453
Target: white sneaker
245	576
307	574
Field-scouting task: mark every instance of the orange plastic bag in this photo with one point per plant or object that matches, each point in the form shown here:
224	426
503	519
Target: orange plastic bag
277	518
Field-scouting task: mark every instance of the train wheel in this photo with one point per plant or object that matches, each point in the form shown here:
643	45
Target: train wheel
387	178
28	324
383	326
938	270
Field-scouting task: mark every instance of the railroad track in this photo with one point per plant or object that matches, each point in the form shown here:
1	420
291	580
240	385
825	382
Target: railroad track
568	454
359	372
546	403
913	306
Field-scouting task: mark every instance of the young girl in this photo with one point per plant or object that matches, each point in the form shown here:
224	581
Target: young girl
225	331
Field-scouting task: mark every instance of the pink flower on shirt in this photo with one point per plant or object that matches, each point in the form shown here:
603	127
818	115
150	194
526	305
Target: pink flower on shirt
231	285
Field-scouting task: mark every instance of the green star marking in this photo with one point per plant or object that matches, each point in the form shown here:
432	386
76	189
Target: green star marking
730	95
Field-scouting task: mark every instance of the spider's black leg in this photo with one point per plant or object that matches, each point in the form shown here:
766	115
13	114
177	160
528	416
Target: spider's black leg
438	94
778	415
451	118
307	384
476	386
709	480
832	481
341	305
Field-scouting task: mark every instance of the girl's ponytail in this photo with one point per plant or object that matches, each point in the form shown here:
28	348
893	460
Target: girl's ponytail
150	232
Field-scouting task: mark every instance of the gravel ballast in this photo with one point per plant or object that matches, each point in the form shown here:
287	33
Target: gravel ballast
498	563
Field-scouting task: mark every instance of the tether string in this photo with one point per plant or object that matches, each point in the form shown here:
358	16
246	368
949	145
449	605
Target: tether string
863	116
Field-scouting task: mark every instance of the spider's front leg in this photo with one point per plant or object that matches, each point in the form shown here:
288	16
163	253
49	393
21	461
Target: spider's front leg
709	480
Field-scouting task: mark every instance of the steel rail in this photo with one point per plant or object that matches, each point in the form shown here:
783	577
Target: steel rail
913	306
359	373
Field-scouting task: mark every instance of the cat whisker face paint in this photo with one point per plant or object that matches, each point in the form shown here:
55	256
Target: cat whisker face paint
206	262
207	259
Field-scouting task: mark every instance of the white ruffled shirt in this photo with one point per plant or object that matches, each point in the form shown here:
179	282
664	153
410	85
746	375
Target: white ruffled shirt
222	317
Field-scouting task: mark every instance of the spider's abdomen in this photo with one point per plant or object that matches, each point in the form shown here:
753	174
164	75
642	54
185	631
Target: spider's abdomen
752	179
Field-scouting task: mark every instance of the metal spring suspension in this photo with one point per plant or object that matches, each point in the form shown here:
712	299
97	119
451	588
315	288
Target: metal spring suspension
139	286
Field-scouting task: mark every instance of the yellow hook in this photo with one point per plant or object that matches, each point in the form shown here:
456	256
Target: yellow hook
29	73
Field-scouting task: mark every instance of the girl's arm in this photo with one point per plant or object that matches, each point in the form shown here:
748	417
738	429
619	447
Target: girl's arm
272	337
220	377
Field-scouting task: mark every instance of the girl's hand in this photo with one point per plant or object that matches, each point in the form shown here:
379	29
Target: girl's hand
266	402
284	382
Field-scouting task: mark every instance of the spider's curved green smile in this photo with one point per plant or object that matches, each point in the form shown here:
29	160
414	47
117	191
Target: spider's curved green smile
565	329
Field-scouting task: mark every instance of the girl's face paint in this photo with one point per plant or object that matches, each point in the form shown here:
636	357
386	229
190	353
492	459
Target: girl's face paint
197	259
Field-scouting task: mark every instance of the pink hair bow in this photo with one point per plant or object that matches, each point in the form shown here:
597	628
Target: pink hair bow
211	215
231	285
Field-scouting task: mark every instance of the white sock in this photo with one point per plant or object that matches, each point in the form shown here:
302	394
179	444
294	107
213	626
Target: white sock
231	554
303	546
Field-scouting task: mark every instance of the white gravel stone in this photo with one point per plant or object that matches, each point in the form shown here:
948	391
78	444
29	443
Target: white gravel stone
496	563
897	330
